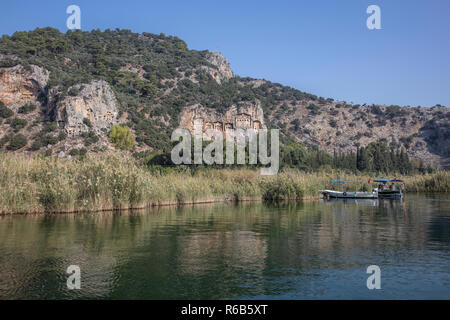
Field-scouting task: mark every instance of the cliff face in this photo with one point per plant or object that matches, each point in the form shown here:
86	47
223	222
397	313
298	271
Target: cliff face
91	107
94	107
221	71
156	84
243	115
20	85
337	126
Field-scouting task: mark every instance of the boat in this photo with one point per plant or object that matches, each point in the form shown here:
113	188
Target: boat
393	191
354	201
347	195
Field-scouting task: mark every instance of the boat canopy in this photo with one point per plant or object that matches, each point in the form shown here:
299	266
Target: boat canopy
337	181
387	180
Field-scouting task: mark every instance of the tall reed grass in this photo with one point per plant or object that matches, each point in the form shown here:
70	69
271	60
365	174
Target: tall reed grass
32	184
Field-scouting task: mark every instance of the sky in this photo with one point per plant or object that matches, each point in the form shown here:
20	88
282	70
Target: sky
317	46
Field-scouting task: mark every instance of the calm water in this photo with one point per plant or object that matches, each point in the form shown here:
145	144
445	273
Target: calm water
286	251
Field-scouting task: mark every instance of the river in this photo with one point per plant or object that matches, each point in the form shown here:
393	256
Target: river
303	250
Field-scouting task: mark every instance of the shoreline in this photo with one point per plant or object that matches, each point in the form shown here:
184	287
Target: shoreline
112	182
166	204
154	205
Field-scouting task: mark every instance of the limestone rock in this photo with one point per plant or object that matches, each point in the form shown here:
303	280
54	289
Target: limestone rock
95	102
244	115
20	85
222	71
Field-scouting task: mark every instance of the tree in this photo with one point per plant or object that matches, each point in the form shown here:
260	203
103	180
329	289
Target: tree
5	112
27	108
18	123
36	145
17	142
122	137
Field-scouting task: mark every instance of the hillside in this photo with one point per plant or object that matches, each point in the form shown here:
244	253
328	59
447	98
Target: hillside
61	93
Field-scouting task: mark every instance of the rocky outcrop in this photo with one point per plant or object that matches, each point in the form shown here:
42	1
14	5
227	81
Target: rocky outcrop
336	126
95	108
221	72
244	115
20	85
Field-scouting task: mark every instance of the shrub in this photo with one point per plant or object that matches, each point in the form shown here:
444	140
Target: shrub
49	127
18	124
333	112
62	136
49	139
376	110
281	187
73	91
74	152
82	152
5	139
313	109
87	122
17	142
36	145
89	138
5	112
47	152
395	111
122	137
27	108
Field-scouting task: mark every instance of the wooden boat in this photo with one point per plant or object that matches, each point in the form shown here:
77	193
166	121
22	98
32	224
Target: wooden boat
347	194
384	191
393	191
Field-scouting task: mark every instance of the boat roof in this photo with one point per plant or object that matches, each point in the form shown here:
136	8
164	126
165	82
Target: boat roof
338	181
388	180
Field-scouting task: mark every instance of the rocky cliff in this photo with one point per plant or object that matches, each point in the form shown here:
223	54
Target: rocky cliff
93	107
335	126
220	70
243	115
64	91
90	110
20	85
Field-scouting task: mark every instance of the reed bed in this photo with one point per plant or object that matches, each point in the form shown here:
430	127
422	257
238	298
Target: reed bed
113	181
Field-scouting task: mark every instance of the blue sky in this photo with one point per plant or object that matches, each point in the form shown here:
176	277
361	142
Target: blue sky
317	46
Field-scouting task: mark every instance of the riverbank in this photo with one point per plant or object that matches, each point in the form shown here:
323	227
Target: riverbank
112	181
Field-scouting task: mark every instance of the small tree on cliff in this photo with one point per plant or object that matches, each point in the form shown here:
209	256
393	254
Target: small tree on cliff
122	137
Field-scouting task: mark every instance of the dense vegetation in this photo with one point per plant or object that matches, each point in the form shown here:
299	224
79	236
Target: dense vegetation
166	77
101	55
172	76
376	158
122	137
112	181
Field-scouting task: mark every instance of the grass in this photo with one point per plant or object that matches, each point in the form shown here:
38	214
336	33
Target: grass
35	184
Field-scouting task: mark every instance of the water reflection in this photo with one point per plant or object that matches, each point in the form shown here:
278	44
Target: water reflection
289	250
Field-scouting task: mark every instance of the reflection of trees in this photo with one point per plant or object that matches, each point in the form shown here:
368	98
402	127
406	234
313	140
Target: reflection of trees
439	223
206	251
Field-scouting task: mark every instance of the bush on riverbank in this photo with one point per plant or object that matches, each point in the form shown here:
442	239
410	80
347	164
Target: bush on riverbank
115	181
438	182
